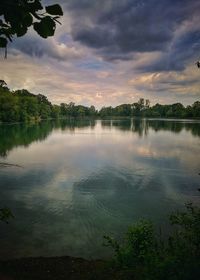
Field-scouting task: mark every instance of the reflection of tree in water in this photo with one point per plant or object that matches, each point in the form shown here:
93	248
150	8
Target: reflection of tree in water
194	128
142	126
139	126
12	136
172	126
120	124
175	127
22	135
72	124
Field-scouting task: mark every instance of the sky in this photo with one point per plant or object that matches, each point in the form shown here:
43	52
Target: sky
109	52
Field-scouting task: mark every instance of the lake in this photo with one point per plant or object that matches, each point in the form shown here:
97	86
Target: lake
68	183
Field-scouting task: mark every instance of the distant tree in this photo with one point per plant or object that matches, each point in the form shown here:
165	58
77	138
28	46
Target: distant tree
2	83
107	112
196	109
21	105
81	111
123	110
18	15
63	109
198	64
139	106
72	109
147	103
141	103
43	99
92	110
56	112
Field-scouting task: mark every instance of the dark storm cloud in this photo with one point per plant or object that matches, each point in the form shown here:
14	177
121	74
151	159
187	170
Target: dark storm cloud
117	29
111	52
126	27
183	51
34	46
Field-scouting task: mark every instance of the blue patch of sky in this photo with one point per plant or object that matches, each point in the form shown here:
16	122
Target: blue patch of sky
65	38
94	65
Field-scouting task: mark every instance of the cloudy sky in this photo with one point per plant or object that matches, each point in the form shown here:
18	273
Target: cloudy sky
108	52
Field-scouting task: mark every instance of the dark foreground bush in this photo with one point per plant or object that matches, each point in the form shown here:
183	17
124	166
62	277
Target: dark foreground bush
5	214
148	256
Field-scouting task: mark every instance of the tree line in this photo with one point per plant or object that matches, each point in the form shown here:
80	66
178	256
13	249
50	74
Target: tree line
142	108
21	105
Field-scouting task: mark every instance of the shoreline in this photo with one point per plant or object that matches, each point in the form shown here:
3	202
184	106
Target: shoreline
103	119
57	268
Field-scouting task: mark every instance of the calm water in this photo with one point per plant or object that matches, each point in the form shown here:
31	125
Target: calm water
69	183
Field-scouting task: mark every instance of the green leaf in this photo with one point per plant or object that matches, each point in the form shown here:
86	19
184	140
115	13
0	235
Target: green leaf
3	42
35	6
54	10
46	27
28	20
21	31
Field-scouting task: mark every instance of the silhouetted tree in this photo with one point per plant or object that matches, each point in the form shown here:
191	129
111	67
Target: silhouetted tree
18	15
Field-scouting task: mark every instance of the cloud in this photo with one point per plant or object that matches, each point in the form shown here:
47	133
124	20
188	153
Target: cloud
171	86
182	52
117	29
108	52
35	46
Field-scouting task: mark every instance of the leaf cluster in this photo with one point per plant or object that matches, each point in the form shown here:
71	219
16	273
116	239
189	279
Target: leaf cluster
17	16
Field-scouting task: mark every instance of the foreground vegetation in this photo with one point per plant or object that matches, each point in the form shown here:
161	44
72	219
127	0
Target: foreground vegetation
145	254
21	105
142	255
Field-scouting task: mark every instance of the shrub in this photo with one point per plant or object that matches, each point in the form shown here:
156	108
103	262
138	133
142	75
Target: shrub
151	257
5	214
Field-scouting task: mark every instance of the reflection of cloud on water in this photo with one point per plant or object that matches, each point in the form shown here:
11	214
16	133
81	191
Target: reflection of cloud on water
74	188
23	135
64	159
170	192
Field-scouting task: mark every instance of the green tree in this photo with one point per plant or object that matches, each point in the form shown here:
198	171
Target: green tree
56	111
92	111
196	109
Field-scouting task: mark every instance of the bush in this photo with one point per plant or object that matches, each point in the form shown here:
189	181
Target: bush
151	257
5	214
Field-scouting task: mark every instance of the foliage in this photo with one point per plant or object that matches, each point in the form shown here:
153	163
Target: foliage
149	256
21	105
17	16
142	109
5	214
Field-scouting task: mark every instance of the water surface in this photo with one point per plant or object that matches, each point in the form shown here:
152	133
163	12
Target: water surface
68	183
